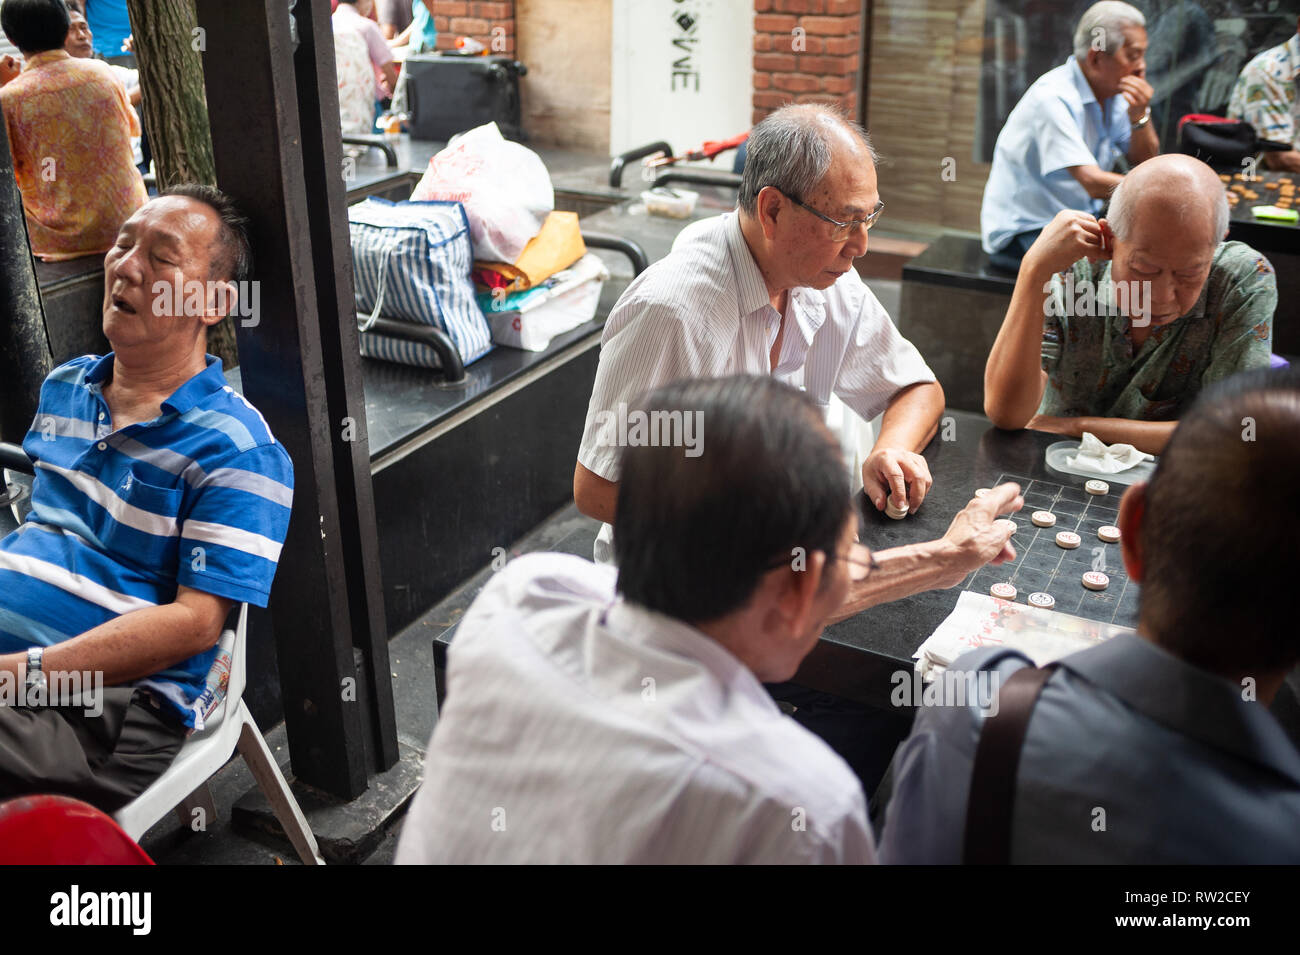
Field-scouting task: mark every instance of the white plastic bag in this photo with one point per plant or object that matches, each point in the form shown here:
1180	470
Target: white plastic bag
504	187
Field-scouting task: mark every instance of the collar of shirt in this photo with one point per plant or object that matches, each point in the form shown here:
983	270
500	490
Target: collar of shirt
1081	84
806	305
189	395
1088	97
639	625
1187	699
49	56
1292	57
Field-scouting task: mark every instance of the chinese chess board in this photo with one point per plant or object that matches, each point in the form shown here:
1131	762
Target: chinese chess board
1042	566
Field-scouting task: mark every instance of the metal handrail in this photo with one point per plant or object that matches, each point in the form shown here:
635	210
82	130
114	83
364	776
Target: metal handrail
622	159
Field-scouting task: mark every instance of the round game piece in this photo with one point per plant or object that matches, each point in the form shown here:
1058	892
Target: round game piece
1109	533
1046	601
1004	590
1096	580
1043	518
1068	539
896	513
1097	487
981	491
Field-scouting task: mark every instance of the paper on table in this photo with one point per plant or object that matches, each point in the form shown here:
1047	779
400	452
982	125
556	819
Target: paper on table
979	620
1098	458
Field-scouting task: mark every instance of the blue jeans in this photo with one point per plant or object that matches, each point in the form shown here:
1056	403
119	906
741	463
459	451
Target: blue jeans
1008	257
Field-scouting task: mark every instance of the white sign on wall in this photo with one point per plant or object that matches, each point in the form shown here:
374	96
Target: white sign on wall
682	72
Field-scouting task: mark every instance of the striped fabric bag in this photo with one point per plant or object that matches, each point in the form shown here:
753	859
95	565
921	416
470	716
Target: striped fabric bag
411	262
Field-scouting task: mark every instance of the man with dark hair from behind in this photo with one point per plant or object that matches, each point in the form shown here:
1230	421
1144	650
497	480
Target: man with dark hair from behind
602	714
1158	747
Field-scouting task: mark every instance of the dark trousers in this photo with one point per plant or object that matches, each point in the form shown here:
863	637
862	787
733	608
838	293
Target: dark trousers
1008	257
106	760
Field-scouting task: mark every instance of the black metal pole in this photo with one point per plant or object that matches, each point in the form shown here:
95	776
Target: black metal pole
327	211
25	357
302	371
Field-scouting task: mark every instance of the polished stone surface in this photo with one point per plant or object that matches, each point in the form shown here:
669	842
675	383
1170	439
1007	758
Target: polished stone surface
958	261
855	657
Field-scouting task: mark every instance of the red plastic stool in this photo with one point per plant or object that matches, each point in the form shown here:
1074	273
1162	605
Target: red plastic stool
58	830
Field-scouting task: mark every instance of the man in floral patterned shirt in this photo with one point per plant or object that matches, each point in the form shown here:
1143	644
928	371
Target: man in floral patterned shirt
1265	96
1117	324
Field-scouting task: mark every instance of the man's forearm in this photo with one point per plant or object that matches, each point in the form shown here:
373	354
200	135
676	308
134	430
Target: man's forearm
1144	145
128	647
912	418
1288	161
1148	436
1013	380
901	572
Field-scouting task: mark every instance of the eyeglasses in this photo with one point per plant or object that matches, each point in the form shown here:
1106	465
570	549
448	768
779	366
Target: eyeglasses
859	565
861	562
842	230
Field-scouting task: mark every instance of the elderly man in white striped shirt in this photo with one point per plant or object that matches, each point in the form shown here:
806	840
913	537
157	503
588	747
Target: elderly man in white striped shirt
771	289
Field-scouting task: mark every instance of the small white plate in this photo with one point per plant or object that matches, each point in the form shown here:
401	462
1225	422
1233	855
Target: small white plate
1057	453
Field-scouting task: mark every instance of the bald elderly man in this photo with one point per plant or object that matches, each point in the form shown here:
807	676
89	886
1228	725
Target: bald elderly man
771	289
1117	324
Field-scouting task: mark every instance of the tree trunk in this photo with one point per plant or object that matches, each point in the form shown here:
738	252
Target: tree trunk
168	45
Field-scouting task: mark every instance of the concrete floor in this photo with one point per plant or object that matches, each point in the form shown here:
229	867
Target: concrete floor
411	655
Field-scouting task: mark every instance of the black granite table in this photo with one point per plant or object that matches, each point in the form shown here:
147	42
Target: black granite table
959	261
856	657
1264	235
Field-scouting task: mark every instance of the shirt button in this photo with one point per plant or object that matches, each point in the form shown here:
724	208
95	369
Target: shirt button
101	416
102	446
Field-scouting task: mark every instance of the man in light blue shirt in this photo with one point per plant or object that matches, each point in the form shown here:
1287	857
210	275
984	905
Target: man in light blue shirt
1154	747
1060	144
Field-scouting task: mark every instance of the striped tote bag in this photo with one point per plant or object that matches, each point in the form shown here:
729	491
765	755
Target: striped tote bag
411	262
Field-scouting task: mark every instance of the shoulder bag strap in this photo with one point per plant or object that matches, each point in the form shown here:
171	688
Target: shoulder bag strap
991	803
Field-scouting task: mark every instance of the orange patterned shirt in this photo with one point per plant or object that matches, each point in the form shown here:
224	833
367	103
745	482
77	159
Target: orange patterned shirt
70	129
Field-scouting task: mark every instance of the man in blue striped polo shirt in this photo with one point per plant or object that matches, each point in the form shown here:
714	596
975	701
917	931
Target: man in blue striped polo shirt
161	501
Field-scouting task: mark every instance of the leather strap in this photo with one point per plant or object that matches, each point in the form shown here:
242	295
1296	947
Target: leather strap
991	804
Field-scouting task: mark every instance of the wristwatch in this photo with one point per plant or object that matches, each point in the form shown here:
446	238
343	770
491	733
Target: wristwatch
34	674
1146	118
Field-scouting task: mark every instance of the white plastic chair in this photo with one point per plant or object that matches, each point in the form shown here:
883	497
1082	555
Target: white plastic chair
184	786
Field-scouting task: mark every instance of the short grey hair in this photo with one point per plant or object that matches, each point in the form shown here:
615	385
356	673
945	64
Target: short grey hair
789	150
1120	213
1110	16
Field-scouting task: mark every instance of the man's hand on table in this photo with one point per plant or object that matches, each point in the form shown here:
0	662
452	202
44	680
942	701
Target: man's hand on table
897	473
978	536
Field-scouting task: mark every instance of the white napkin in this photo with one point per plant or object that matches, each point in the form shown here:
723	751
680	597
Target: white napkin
1097	458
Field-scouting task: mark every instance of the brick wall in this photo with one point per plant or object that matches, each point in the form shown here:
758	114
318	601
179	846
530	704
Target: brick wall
806	51
484	21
